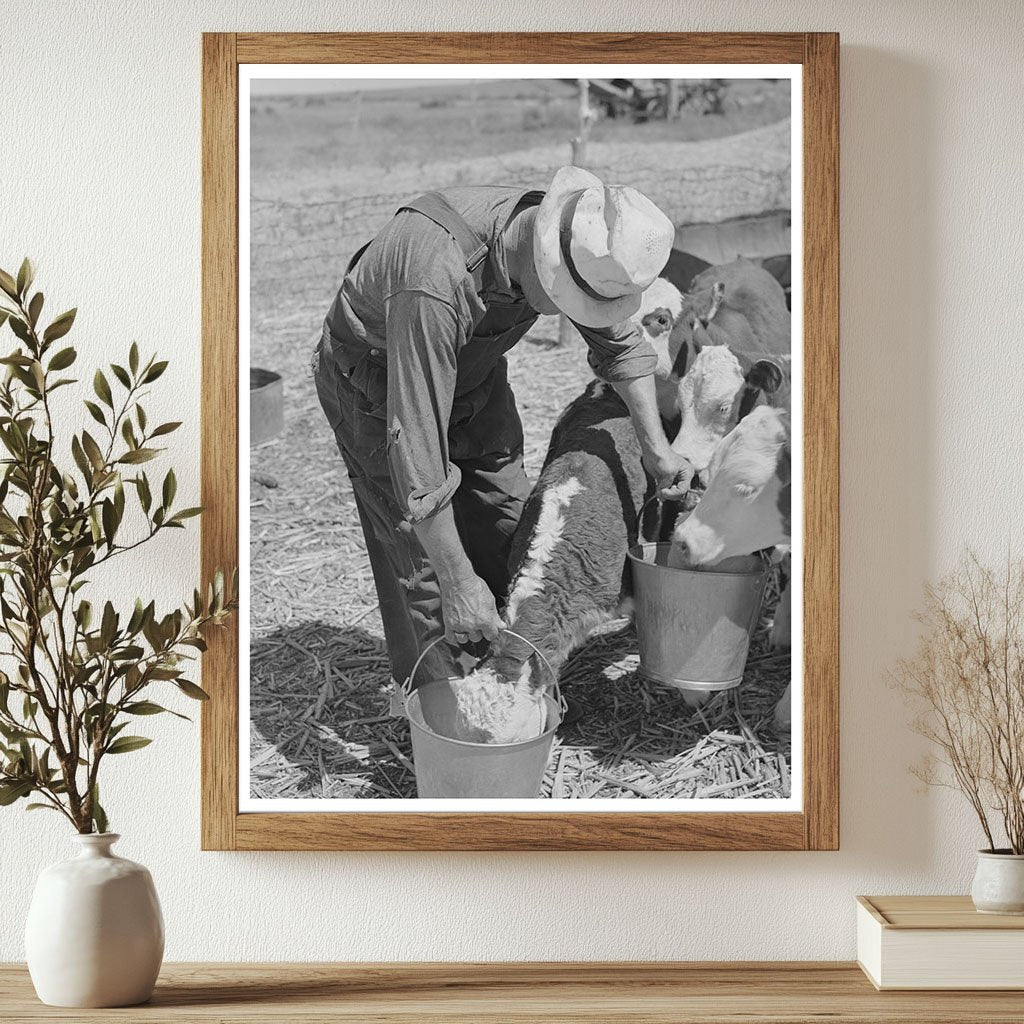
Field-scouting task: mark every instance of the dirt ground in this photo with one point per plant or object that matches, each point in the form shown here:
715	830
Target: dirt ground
319	678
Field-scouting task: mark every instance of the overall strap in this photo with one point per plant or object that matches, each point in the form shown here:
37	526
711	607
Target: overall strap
355	259
434	206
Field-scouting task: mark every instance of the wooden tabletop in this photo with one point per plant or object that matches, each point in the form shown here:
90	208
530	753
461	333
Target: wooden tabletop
660	993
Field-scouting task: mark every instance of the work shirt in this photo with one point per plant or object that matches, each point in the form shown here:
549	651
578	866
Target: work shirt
422	339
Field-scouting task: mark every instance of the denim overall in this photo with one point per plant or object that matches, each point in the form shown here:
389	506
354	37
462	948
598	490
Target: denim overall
485	438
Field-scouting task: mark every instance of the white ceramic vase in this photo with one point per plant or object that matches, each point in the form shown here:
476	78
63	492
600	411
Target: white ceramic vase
999	883
95	934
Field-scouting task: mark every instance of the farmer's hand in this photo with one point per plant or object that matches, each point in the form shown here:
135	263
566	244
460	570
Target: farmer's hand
673	474
671	471
467	604
468	609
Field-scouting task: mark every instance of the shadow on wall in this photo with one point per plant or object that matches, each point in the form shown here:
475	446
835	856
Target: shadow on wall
887	279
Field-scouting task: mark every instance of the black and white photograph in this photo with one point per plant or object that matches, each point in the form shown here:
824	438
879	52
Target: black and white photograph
520	468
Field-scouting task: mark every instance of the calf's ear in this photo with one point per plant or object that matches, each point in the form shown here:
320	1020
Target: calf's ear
766	375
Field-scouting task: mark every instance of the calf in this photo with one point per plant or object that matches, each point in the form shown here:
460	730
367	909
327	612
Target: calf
568	560
746	506
567	564
736	304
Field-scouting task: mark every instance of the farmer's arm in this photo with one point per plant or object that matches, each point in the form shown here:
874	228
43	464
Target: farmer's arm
424	337
623	358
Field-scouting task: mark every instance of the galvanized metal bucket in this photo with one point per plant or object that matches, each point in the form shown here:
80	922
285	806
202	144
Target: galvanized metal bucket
695	625
448	769
266	405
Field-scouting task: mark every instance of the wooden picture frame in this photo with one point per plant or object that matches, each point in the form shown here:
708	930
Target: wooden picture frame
816	827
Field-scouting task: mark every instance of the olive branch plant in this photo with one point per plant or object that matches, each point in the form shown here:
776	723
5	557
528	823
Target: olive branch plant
966	681
78	673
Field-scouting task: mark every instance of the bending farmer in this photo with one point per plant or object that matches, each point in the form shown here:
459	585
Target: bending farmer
411	374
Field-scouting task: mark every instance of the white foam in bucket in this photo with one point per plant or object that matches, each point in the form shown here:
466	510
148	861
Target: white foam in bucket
456	769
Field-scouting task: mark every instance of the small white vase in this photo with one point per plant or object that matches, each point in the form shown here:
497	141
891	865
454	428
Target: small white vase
999	883
95	934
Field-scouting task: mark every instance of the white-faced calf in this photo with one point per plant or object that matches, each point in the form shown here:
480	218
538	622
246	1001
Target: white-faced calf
746	506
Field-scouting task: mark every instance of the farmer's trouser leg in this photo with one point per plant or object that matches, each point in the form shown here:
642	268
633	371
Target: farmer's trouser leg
486	507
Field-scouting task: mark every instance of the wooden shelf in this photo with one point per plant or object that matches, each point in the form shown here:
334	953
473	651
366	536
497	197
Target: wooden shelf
659	993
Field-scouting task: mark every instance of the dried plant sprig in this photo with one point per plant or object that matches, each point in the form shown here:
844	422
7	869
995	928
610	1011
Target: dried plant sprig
967	682
79	673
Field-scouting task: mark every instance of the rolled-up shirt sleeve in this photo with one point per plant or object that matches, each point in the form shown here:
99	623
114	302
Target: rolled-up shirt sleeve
618	353
424	336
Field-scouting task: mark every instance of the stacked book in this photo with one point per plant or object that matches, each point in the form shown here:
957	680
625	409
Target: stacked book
938	942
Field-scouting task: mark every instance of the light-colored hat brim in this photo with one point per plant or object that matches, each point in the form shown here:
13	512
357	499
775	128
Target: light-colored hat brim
551	270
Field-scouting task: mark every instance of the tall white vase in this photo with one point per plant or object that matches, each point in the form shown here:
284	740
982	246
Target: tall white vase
95	934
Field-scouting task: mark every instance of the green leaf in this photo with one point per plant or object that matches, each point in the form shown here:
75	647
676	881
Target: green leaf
26	274
84	614
81	461
34	308
140	415
102	388
138	455
16	359
108	625
133	358
109	521
143	707
128	433
11	733
99	816
145	497
20	329
165	428
191	690
14	790
147	707
60	326
186	513
119	499
154	372
95	412
63	359
121	374
7	283
126	744
92	449
136	619
170	488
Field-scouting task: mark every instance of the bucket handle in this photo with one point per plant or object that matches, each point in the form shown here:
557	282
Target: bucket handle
407	685
640	517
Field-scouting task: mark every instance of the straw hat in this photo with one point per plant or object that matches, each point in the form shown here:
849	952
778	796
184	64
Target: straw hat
597	248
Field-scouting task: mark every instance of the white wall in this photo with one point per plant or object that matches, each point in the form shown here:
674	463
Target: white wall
99	181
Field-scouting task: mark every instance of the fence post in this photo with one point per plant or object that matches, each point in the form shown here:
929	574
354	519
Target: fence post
579	158
672	99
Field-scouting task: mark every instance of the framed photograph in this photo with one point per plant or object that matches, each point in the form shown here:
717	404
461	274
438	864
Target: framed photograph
534	487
